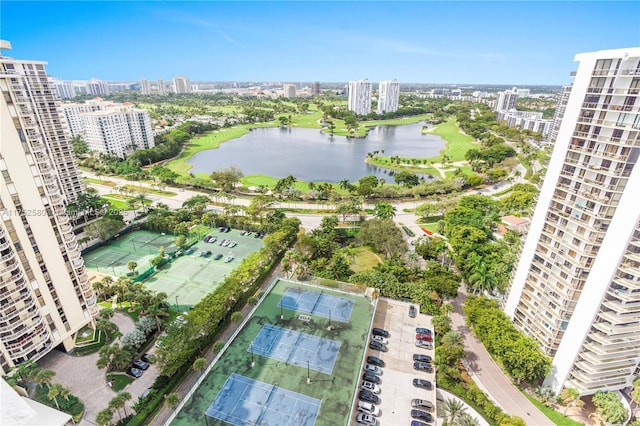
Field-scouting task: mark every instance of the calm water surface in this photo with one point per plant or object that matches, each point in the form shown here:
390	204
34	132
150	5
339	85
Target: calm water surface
313	156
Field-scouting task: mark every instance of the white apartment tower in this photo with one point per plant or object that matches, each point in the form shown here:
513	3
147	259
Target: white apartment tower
181	85
360	96
98	87
577	285
388	96
110	128
563	98
45	294
161	89
289	91
145	87
507	100
64	89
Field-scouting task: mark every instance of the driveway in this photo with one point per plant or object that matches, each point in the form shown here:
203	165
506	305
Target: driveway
80	375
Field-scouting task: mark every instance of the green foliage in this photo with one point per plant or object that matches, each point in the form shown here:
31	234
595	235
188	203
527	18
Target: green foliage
104	228
609	407
69	404
520	355
383	235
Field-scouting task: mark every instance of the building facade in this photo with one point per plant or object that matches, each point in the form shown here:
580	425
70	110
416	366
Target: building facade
526	120
388	96
289	91
110	128
98	87
161	88
181	85
360	96
315	88
577	285
507	100
145	86
45	293
64	90
563	98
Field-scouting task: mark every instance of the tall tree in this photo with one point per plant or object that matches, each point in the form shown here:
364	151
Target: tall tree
384	210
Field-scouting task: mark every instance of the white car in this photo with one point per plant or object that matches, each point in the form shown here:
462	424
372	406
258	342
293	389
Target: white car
373	369
366	419
368	408
372	387
228	259
380	339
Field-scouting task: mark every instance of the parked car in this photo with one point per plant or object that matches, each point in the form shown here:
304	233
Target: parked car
421	358
221	243
370	377
423	366
421	404
228	259
212	239
222	228
373	369
418	423
218	256
140	364
380	339
372	387
427	337
412	311
421	330
233	244
421	383
424	344
366	419
205	253
367	396
421	415
146	358
206	239
380	332
134	372
374	360
227	229
369	408
377	346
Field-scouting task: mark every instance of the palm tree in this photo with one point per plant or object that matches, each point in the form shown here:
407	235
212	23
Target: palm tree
570	396
199	364
482	279
344	184
452	409
56	390
172	399
384	210
236	317
466	420
105	326
44	376
104	417
132	265
452	338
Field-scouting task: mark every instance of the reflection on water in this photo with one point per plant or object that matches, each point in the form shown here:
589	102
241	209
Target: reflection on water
312	156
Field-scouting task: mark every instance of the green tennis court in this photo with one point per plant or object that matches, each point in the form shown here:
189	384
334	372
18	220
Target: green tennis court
188	278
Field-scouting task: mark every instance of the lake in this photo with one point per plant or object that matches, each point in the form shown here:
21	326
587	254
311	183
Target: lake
313	156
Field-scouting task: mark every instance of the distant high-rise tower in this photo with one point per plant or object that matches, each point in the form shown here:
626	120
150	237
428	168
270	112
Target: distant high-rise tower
289	91
98	88
507	100
63	89
45	294
388	96
315	88
360	96
145	86
161	89
181	85
577	285
563	98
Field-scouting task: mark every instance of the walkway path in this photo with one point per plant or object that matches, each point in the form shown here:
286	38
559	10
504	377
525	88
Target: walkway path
488	375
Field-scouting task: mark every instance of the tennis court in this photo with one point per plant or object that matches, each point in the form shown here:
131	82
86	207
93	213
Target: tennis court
293	347
317	303
244	401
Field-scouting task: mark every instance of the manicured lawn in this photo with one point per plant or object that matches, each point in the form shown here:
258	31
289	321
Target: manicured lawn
364	260
119	381
553	415
116	204
457	142
145	190
99	182
433	227
270	181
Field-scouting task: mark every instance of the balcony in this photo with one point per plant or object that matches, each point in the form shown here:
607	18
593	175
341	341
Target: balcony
78	263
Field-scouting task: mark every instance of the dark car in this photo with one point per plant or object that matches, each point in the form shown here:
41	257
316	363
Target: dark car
425	337
206	239
418	423
421	330
377	346
367	396
421	404
218	256
370	377
421	358
380	332
421	415
227	229
134	372
412	311
423	366
146	358
374	360
421	383
140	365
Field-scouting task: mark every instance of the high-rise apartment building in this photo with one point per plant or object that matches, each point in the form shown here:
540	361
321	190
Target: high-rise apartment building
181	85
45	294
315	88
507	100
145	87
289	91
161	89
563	98
388	96
577	285
98	87
360	96
111	128
65	90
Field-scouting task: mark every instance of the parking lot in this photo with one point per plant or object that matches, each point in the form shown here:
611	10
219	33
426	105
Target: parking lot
396	389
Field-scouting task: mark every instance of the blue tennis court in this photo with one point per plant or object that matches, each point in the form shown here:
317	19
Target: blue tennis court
244	401
296	348
317	303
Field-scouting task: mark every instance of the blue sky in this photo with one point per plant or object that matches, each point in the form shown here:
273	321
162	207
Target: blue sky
423	42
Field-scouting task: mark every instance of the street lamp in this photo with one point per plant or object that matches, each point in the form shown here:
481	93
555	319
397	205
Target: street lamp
176	303
112	268
281	311
251	350
329	327
308	373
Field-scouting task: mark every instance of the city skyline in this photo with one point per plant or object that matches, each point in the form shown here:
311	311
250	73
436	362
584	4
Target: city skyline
421	42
